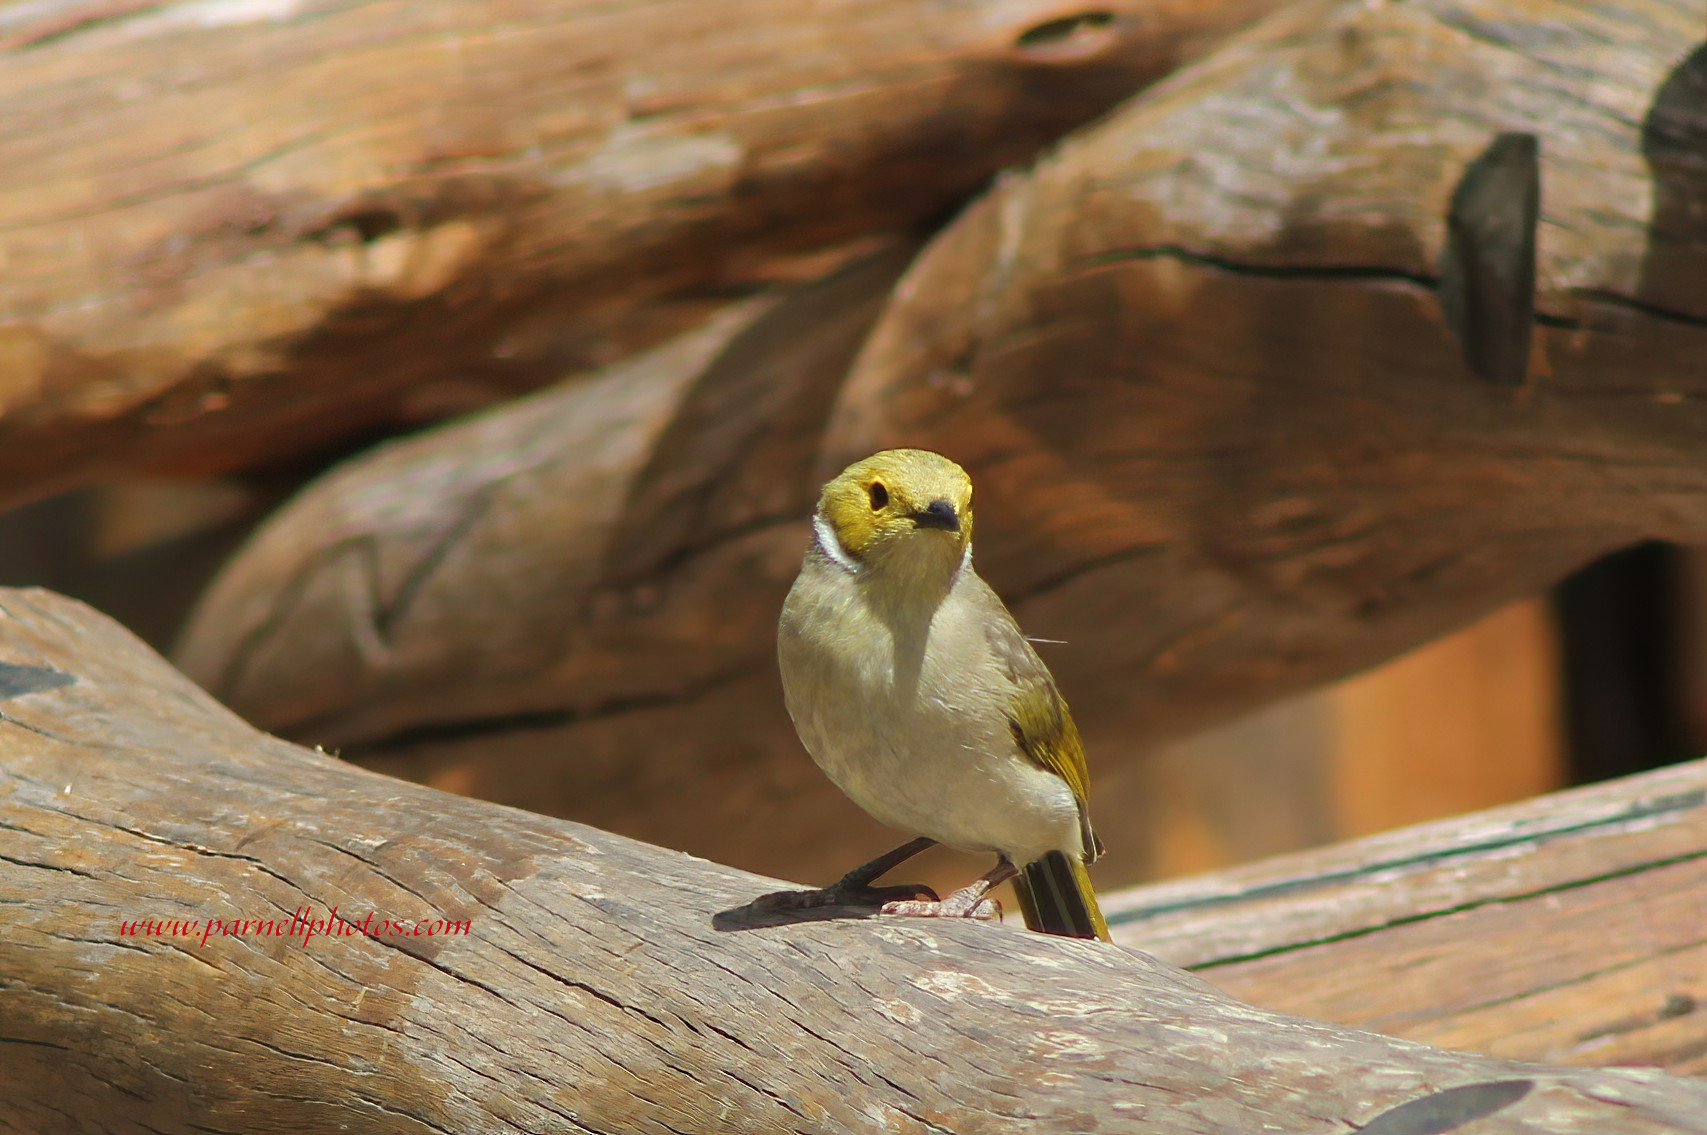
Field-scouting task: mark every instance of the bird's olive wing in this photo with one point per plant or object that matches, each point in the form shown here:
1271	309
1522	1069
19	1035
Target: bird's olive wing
1037	713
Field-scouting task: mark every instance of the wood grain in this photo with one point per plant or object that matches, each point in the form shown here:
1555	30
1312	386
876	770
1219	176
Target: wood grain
236	230
603	986
1570	928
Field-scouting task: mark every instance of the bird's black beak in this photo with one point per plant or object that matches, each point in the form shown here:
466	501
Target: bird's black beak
938	514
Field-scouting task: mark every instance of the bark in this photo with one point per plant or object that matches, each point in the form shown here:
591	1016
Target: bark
1226	442
603	985
235	231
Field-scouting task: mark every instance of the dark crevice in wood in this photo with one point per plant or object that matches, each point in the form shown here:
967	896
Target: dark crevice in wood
1185	255
64	868
8	719
1366	272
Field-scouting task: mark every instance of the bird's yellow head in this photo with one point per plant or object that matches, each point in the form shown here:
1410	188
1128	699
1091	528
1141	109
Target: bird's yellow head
900	503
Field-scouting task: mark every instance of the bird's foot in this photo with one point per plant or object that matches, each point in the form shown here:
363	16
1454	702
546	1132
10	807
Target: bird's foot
967	903
841	894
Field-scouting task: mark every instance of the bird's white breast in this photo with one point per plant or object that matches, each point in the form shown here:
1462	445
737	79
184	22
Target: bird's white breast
908	714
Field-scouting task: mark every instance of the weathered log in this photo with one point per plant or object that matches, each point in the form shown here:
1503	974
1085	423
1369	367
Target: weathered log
233	227
1239	445
601	985
1569	928
1226	444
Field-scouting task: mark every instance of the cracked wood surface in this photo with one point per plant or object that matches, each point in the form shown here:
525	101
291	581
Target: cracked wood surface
1239	445
236	230
1570	928
605	985
1226	444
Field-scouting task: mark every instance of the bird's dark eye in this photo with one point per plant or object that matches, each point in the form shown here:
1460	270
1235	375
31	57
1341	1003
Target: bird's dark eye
879	495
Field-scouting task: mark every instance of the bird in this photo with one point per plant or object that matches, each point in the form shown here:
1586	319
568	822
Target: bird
914	690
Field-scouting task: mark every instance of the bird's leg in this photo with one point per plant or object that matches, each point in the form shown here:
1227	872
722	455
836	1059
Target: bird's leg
968	902
855	888
861	878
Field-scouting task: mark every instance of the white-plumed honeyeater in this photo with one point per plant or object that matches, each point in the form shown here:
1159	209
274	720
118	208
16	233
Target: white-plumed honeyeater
914	690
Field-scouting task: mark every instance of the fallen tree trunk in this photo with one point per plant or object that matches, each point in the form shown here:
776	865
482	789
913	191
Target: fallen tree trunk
236	230
1569	928
601	985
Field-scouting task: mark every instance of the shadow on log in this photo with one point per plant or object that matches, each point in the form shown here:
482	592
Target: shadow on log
590	991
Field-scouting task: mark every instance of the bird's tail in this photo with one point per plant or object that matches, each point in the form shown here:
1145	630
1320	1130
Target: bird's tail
1055	896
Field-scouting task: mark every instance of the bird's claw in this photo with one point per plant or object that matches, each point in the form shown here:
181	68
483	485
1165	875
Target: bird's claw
984	909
